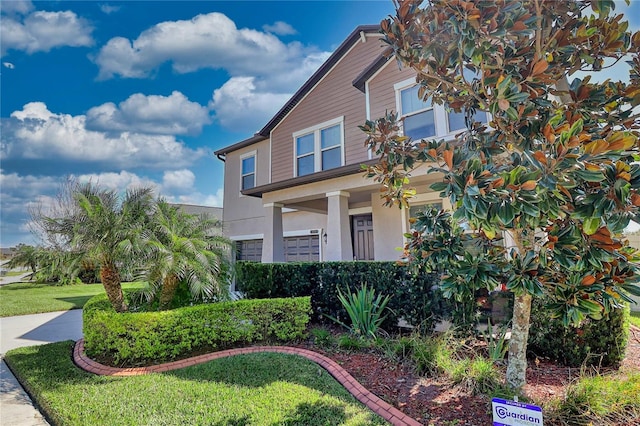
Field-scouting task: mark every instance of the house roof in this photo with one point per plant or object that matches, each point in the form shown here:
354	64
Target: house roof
302	92
368	72
349	169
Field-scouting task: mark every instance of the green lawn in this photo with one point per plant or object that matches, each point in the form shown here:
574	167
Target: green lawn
32	298
255	389
635	318
15	273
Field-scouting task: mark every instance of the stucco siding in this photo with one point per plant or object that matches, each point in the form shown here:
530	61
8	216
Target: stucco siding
239	211
332	97
634	241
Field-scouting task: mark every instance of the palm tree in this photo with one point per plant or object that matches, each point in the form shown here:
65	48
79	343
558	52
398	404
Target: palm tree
183	249
27	256
107	229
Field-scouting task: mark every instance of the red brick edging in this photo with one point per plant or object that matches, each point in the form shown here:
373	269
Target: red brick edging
377	405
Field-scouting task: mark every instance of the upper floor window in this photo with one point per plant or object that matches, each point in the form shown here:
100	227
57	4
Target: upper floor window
248	173
424	120
319	148
419	120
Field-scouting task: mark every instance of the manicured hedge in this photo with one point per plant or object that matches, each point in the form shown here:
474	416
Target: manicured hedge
414	297
601	342
151	337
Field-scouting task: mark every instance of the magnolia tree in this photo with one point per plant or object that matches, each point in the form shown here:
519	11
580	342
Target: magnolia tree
552	174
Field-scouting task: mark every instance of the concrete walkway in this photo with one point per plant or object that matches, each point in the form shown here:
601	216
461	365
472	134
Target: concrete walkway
16	408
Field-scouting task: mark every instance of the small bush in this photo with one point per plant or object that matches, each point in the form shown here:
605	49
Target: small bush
352	343
365	311
322	337
595	342
151	337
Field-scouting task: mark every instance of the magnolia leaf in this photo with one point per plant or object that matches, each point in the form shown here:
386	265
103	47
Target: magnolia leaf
588	280
448	158
489	232
590	225
503	104
621	141
597	147
529	185
540	67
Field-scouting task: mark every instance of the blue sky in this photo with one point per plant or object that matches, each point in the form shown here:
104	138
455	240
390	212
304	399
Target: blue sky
142	93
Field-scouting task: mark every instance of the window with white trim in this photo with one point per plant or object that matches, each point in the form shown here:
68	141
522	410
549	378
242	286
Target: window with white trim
319	148
419	118
423	119
248	171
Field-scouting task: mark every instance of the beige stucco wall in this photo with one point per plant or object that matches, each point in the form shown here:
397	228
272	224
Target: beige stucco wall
387	229
634	241
244	215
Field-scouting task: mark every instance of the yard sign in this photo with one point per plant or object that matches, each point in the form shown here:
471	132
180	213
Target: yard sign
512	413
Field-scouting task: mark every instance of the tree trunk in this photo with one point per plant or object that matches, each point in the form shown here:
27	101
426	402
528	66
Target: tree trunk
168	292
517	366
112	286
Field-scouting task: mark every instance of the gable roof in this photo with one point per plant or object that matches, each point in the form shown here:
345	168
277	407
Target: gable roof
302	91
369	71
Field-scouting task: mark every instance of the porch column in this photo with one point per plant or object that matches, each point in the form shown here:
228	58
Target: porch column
273	242
339	245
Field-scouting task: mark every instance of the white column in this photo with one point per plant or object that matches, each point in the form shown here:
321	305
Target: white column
273	242
339	245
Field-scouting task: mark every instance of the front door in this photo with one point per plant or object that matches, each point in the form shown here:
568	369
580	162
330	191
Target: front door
363	237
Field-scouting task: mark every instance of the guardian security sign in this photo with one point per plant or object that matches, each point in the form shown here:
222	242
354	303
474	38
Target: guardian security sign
511	413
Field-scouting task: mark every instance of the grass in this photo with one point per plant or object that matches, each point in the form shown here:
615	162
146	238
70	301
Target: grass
600	400
32	298
15	273
255	389
635	318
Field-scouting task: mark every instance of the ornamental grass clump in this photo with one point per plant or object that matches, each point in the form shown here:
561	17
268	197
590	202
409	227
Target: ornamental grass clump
365	311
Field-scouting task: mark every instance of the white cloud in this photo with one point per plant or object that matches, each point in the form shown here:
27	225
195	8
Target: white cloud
42	31
178	179
20	193
205	41
37	133
117	181
17	7
198	199
280	28
109	9
263	70
168	115
8	65
239	106
246	103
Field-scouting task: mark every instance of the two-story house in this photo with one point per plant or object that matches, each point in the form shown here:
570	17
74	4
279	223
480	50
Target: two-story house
296	190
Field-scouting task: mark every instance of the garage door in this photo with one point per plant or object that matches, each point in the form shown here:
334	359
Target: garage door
296	249
302	249
250	250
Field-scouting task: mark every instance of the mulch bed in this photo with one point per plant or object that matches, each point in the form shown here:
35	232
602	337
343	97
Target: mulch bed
434	401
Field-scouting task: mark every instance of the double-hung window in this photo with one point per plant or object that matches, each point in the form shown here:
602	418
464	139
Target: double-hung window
419	119
248	173
319	148
423	119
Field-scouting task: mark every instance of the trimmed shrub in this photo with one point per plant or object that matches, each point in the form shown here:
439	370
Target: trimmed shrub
151	337
414	297
595	342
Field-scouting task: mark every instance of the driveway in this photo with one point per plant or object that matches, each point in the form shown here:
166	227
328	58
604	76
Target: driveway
38	329
16	408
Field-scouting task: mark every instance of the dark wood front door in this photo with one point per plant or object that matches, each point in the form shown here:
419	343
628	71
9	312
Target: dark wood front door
363	237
